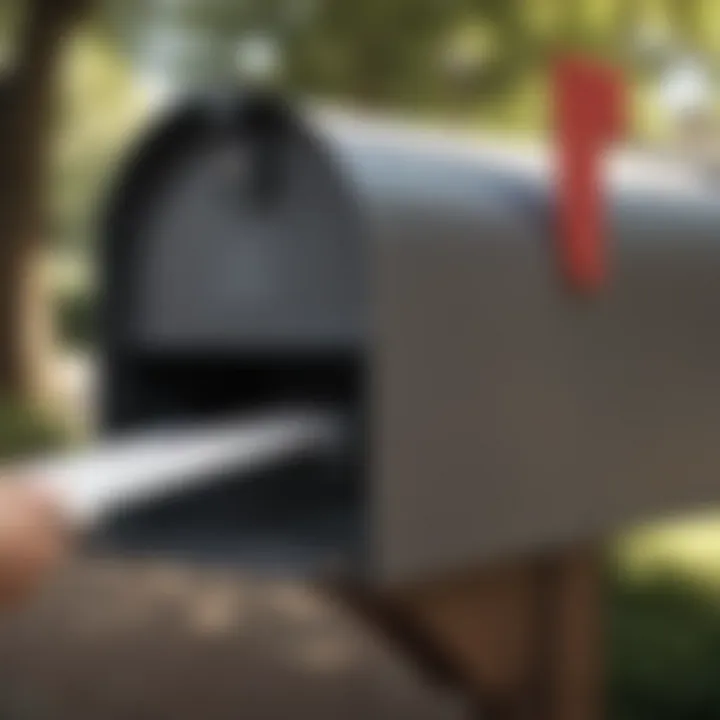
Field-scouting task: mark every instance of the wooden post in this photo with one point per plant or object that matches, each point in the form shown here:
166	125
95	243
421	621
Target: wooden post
575	663
521	641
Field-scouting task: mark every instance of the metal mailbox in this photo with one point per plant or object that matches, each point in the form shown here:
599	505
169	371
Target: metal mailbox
256	255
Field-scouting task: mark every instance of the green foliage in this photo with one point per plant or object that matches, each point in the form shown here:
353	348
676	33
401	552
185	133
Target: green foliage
665	650
25	430
9	18
76	318
395	52
100	109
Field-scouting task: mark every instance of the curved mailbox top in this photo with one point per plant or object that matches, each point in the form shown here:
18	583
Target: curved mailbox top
435	171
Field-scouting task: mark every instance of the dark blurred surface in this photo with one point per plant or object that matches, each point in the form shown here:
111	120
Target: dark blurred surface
149	641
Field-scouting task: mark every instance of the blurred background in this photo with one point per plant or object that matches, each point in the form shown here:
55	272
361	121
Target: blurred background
79	80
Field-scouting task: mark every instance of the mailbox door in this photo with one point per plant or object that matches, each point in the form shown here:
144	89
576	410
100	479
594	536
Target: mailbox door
234	281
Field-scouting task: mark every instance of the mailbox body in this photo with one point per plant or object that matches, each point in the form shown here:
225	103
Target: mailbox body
409	280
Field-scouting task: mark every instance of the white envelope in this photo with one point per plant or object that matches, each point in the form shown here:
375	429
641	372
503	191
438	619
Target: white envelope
159	463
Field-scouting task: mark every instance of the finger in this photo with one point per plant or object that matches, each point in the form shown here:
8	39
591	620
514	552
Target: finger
34	501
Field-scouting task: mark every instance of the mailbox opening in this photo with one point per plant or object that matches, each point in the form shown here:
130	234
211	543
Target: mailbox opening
307	514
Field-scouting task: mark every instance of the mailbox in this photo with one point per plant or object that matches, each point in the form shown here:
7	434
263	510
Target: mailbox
258	254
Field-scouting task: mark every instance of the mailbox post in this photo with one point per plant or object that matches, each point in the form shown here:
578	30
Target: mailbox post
501	426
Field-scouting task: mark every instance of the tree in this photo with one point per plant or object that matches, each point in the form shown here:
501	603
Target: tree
28	98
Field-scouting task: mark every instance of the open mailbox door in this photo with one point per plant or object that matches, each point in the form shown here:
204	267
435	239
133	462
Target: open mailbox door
234	284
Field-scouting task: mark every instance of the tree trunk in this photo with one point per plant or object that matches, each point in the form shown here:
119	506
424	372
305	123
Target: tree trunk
28	99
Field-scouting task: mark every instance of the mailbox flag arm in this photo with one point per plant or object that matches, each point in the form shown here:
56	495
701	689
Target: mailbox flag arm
590	114
161	463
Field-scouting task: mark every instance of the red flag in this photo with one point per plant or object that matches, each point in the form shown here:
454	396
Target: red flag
590	113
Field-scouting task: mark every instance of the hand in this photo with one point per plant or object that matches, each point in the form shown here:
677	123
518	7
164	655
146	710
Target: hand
33	541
